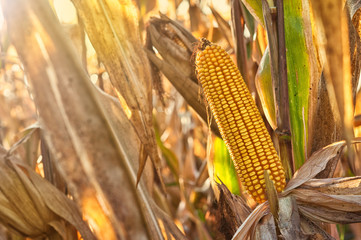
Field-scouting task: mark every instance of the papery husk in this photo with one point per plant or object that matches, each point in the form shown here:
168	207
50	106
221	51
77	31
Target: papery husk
335	200
175	45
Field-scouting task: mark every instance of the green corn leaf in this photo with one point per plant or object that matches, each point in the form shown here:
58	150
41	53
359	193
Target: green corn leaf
255	8
298	73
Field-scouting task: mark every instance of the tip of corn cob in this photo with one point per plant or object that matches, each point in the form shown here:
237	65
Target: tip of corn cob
239	121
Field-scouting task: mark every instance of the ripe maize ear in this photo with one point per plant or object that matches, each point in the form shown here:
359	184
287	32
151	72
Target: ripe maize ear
239	120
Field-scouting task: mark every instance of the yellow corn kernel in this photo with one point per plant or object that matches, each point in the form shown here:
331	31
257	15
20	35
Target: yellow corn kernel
239	120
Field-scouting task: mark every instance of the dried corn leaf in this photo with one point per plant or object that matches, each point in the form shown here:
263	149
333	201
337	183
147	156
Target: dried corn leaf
79	129
331	127
30	204
316	164
346	203
251	222
354	16
338	186
266	229
313	231
337	68
187	88
178	68
55	200
321	214
120	48
331	200
224	26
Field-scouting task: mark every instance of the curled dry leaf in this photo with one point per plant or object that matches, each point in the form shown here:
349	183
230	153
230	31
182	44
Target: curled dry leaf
322	214
174	44
265	229
248	226
287	225
313	231
317	163
337	186
30	205
119	47
176	65
330	200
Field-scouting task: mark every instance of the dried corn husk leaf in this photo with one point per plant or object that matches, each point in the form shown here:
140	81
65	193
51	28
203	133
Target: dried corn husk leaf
265	229
251	222
82	128
316	164
176	65
331	200
30	205
313	231
321	214
174	44
288	224
338	186
120	48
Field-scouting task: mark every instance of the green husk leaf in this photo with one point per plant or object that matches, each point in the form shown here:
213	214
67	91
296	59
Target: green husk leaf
264	89
223	167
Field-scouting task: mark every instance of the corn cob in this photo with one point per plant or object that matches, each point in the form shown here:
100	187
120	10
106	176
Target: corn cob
239	120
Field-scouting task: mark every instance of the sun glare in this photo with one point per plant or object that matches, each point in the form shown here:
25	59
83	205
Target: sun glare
65	11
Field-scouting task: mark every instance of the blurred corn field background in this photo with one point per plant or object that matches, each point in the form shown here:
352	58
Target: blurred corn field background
105	131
